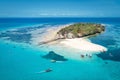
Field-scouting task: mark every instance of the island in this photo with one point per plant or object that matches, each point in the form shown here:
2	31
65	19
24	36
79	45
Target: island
75	36
79	30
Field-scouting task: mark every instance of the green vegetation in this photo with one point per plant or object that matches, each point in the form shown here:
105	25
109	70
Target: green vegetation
81	30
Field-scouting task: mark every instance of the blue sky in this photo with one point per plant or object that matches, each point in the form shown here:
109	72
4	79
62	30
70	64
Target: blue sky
59	8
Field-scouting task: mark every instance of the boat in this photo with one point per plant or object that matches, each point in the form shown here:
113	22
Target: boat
48	70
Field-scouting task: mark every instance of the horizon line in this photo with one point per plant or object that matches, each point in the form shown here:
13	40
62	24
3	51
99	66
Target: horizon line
61	17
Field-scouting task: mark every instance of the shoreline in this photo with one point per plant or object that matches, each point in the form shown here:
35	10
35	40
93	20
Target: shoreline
50	36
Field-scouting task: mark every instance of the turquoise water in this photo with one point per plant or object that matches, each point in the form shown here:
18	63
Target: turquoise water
21	60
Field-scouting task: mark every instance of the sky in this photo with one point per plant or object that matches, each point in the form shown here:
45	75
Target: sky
59	8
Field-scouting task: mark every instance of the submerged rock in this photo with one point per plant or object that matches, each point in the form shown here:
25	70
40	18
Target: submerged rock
53	56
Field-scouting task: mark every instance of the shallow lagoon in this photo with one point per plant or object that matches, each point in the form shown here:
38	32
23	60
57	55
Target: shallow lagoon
20	60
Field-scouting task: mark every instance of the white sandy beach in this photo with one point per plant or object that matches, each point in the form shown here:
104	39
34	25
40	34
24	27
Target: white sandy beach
83	44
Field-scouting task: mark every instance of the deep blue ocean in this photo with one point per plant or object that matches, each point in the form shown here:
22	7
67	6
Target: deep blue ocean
20	60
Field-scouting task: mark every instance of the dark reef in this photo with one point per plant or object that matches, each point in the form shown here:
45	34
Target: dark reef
19	35
113	55
53	56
